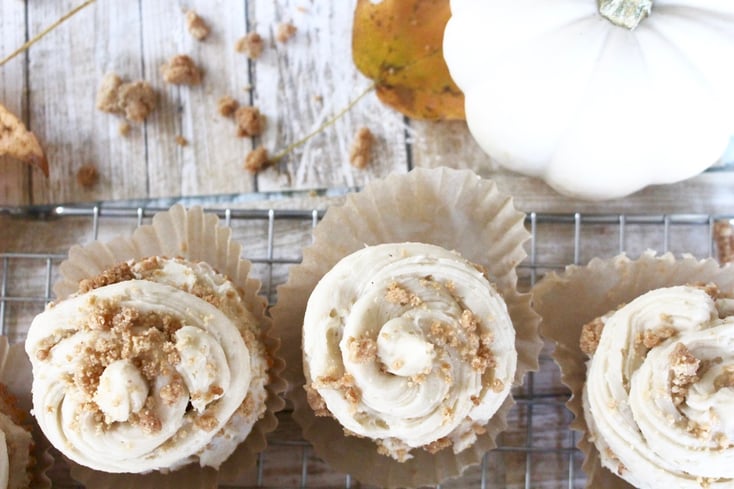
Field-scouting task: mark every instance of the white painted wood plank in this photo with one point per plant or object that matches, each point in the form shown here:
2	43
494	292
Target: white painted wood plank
65	68
450	144
14	176
301	84
211	163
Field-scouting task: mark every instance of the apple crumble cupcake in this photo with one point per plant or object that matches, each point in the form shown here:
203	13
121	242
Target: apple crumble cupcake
23	453
411	327
649	359
156	370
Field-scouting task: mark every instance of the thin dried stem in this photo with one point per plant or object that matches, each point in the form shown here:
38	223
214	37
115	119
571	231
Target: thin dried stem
48	29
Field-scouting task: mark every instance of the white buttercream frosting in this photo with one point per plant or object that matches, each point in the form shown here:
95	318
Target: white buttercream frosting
659	394
409	345
158	366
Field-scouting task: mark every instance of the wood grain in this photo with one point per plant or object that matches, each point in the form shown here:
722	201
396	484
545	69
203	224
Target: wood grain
14	176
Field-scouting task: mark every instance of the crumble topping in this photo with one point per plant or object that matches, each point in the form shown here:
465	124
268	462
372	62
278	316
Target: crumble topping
361	149
590	336
362	349
285	31
257	160
87	176
344	384
135	100
250	122
196	26
683	372
651	338
252	45
227	106
181	70
118	273
438	445
396	294
316	402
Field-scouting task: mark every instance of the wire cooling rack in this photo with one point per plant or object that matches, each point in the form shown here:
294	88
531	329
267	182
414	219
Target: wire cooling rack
538	449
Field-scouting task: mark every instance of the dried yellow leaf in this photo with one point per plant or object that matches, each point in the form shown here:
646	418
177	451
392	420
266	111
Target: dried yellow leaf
399	44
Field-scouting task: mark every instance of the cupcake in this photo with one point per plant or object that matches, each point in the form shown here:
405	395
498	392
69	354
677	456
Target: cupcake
16	444
647	349
410	346
403	330
158	364
23	459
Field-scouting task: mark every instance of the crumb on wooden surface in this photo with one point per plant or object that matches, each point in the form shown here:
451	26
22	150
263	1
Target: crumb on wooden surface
135	100
251	44
285	31
124	129
361	149
87	175
227	106
250	122
257	159
182	141
181	70
196	26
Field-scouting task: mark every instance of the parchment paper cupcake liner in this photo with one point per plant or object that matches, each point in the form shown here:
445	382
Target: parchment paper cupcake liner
568	300
16	375
450	208
196	236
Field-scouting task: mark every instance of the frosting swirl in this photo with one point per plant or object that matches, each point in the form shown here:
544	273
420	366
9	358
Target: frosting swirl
153	365
659	394
409	345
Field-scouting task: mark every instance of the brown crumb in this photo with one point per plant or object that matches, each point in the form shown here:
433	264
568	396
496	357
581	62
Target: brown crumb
726	379
361	150
683	372
227	106
9	406
724	239
207	422
590	336
285	31
345	384
87	176
250	122
196	25
653	337
711	289
396	294
362	349
137	100
172	392
316	401
147	420
438	445
252	45
257	160
134	100
181	70
181	141
113	275
124	129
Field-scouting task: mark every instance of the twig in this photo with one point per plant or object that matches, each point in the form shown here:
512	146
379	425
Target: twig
319	129
48	29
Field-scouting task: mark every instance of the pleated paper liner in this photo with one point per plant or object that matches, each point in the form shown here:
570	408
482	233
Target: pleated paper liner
195	236
568	300
16	375
454	209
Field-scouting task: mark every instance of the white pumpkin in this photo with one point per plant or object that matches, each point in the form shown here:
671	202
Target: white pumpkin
556	89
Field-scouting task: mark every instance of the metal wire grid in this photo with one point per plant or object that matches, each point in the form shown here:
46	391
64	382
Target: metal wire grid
556	240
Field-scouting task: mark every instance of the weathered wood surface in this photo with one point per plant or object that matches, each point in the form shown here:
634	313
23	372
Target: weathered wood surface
298	85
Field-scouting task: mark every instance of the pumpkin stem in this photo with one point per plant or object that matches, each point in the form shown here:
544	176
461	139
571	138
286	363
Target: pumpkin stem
625	13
